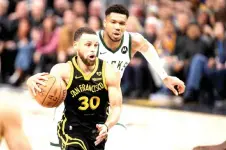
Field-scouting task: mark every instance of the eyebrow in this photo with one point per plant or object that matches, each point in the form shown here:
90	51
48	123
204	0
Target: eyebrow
118	20
92	42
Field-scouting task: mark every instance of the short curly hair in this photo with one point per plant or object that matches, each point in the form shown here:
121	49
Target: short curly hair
83	30
117	8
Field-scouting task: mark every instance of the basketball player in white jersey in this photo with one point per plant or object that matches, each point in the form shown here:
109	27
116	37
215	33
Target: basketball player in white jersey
11	127
117	47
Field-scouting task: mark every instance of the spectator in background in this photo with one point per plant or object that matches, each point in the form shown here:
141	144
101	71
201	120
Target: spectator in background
165	11
134	25
182	21
80	11
204	65
167	38
95	8
37	13
220	11
79	8
45	53
25	48
151	28
203	19
65	45
165	45
59	6
137	11
9	52
189	45
4	23
152	8
94	23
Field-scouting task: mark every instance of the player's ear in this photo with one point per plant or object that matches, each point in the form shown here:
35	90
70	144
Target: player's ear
104	23
75	44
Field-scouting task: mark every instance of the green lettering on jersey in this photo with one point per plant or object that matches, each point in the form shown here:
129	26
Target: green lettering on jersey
119	65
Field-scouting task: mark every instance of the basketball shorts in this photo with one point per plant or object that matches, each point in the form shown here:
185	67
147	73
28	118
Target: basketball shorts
77	138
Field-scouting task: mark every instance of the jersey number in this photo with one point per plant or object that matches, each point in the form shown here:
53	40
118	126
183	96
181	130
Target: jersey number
93	102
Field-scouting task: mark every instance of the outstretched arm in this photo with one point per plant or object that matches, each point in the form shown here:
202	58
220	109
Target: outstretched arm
139	43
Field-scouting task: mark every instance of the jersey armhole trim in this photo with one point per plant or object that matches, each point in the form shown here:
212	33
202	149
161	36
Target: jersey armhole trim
130	46
98	51
71	75
104	74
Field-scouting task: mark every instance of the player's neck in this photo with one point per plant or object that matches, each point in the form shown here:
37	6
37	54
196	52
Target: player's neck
86	69
110	44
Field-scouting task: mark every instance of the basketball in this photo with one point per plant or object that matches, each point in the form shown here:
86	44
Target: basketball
53	94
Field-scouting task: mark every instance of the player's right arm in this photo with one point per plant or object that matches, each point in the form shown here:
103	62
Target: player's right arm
60	70
12	128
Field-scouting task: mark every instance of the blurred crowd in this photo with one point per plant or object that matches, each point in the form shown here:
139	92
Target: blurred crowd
189	36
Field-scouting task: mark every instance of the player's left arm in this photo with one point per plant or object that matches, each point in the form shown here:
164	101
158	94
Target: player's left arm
113	80
139	43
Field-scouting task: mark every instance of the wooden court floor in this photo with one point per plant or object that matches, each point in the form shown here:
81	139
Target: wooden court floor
147	128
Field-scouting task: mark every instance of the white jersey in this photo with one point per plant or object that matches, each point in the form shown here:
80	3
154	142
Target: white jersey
119	58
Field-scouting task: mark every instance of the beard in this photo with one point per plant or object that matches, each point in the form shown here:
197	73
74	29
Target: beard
87	61
114	40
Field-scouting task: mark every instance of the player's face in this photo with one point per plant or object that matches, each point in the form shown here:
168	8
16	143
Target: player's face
115	25
87	48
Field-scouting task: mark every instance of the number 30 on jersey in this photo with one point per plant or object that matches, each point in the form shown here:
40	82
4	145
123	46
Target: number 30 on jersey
93	103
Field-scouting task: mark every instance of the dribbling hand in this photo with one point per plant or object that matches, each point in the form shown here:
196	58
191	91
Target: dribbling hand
34	80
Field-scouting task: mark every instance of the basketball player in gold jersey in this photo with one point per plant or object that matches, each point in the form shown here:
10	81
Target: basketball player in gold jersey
92	87
11	127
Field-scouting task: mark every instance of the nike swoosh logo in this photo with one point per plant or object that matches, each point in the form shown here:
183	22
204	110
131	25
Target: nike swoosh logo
78	77
103	53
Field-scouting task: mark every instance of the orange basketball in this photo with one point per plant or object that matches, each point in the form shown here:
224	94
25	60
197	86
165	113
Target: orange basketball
53	94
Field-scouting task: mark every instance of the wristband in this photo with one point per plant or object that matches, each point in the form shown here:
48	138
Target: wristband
106	127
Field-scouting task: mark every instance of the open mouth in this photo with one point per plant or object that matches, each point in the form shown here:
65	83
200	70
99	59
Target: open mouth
92	57
116	34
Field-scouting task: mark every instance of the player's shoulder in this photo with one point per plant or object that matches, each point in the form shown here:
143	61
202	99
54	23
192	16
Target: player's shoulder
61	70
62	66
136	37
137	40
